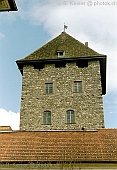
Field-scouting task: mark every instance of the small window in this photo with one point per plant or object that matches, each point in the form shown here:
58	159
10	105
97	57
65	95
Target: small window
47	117
78	86
60	53
70	117
48	88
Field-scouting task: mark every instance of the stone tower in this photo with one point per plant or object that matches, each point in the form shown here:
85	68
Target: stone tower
62	86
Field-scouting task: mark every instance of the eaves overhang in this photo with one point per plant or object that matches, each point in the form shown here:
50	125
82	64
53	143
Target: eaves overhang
8	5
63	162
101	58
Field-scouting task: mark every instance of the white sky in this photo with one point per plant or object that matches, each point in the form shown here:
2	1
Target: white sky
92	21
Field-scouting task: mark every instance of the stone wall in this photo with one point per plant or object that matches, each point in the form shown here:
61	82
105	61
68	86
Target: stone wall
88	106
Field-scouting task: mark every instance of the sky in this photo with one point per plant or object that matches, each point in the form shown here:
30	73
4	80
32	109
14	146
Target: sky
38	21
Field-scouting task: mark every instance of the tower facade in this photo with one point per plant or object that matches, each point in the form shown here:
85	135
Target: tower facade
62	86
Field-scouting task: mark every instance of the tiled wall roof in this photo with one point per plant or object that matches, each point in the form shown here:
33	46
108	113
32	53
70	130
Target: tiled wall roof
65	42
94	146
5	128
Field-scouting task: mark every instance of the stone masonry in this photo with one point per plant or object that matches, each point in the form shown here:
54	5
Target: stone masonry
87	105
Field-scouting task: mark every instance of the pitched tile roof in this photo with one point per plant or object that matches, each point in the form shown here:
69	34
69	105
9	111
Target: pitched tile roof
71	46
94	146
5	128
8	5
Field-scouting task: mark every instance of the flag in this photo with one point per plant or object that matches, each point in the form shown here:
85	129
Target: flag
65	26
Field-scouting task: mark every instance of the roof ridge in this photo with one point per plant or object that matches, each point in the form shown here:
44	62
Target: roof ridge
86	130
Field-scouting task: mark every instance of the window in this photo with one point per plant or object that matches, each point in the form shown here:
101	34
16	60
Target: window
60	53
78	86
47	117
48	88
70	117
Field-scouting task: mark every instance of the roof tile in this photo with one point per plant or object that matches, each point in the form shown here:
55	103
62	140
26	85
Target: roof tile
84	146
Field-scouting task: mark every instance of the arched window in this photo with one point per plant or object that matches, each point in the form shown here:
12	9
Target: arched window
47	117
70	116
